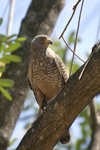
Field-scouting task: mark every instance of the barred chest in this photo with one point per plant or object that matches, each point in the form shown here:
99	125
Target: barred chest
43	62
46	73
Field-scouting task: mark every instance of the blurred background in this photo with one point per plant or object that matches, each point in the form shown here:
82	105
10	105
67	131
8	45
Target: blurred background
89	35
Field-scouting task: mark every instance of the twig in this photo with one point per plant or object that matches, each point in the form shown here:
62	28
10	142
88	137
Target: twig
71	49
94	50
74	8
76	37
98	31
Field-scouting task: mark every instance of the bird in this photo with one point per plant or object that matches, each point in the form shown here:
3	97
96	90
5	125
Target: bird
47	74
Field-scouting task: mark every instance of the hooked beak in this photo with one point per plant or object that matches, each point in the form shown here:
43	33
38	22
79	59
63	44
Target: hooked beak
48	41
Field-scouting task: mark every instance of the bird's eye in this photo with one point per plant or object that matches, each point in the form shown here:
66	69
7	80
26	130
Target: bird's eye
42	39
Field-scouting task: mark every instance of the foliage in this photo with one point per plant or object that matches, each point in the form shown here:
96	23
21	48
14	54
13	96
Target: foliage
86	131
57	47
8	44
83	142
12	142
71	38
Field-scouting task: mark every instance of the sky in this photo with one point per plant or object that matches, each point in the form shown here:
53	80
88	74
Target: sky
87	32
88	26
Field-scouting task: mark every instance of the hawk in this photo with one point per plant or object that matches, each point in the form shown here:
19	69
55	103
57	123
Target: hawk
46	75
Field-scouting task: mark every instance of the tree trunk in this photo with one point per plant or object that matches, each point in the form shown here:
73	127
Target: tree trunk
40	19
62	111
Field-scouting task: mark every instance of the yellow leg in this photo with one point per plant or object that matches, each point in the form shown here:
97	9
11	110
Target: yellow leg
43	104
39	113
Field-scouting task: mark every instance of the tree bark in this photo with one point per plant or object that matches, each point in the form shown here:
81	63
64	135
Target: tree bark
40	19
62	111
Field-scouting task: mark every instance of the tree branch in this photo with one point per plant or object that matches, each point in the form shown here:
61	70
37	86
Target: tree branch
95	117
40	19
93	112
62	111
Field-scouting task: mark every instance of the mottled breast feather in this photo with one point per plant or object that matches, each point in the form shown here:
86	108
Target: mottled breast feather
48	73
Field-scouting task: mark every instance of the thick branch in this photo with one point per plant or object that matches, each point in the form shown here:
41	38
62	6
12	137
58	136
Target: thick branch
40	19
62	111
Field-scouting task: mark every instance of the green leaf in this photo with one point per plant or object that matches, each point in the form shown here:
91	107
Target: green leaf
13	58
2	69
6	82
56	43
3	38
5	93
21	39
87	55
27	126
1	20
98	106
71	38
2	47
5	60
9	37
12	47
12	142
26	108
9	42
75	66
79	40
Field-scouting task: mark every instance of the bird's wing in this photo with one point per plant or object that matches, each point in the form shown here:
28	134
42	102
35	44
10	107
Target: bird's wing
30	76
59	63
61	67
37	92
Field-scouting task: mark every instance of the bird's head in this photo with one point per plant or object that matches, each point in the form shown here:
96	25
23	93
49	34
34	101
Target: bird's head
41	41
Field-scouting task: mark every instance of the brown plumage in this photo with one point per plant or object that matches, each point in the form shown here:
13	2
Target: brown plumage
47	73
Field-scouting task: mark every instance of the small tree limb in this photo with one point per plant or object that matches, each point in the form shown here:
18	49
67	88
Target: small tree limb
95	125
74	9
62	111
76	38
